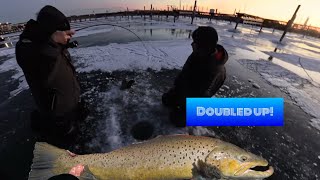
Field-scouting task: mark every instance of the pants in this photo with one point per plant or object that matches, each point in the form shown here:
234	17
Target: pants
177	106
50	125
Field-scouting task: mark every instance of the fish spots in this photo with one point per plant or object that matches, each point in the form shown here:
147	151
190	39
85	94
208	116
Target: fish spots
158	154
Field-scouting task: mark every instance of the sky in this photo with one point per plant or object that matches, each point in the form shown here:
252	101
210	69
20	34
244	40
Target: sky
23	10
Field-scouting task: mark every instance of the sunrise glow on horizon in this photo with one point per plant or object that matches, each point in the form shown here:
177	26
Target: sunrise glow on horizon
271	9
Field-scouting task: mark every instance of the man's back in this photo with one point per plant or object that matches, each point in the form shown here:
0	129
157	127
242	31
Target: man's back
202	74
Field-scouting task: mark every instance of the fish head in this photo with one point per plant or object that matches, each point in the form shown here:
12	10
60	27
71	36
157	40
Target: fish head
234	162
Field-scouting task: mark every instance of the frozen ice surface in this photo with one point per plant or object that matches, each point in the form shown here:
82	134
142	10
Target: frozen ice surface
295	66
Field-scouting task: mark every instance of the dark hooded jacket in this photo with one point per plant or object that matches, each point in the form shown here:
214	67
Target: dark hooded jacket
47	65
202	76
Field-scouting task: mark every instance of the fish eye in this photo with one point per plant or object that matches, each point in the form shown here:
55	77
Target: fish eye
243	158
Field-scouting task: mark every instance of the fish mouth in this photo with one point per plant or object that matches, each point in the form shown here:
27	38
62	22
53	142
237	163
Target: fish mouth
259	171
256	171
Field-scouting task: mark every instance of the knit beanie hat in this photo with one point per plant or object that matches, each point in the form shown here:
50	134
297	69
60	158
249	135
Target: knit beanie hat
51	20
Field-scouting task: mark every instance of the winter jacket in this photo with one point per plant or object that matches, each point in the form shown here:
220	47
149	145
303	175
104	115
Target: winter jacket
48	70
202	76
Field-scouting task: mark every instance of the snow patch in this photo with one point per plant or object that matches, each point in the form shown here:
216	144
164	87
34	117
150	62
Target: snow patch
7	52
12	65
316	124
201	131
133	56
255	85
300	90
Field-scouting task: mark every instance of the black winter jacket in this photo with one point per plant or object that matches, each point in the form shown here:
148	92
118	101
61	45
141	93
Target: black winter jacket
202	76
48	70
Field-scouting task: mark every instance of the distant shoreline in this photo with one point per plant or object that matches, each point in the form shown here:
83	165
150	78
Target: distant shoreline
241	18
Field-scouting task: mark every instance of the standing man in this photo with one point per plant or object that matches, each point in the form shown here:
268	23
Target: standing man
202	75
42	54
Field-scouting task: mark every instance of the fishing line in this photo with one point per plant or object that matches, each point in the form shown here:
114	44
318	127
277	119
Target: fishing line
114	25
307	73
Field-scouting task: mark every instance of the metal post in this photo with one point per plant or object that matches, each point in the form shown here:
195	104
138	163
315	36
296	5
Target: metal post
306	31
289	24
261	26
151	13
238	19
128	13
304	27
194	9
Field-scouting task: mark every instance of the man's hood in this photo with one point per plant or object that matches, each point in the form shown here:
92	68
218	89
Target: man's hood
51	20
221	55
33	32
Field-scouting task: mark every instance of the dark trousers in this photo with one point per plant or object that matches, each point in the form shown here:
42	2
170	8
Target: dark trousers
55	127
177	107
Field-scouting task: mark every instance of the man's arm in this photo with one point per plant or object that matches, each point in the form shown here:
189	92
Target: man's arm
215	85
184	75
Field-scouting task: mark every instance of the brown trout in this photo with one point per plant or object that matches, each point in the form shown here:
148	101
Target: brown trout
164	157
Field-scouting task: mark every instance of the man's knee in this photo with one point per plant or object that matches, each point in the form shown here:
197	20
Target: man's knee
169	99
178	116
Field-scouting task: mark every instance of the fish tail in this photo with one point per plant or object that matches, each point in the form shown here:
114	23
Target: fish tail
45	161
